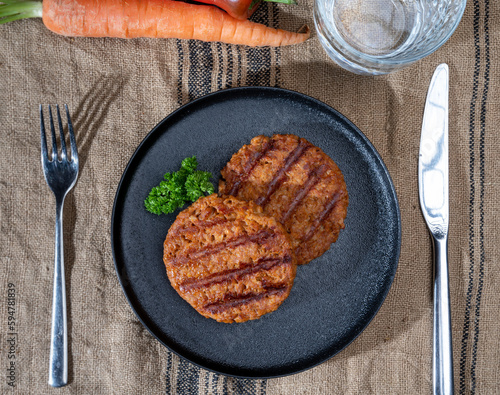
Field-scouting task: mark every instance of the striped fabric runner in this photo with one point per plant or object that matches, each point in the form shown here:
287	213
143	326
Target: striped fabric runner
477	130
184	378
204	68
209	67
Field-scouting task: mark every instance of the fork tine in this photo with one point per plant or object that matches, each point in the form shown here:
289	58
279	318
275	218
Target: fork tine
63	142
74	151
53	132
43	139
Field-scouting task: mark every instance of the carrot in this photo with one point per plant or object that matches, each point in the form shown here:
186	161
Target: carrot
147	18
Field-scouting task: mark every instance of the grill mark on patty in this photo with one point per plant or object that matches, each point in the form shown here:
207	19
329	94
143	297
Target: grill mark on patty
323	215
199	226
226	276
291	159
259	237
313	178
231	300
268	145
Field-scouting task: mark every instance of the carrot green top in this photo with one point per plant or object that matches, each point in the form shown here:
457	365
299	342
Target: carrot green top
12	10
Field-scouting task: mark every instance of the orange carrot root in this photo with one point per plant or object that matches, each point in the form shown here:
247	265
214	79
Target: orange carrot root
159	19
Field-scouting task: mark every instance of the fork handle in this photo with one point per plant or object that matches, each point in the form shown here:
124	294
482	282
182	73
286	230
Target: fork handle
442	346
58	369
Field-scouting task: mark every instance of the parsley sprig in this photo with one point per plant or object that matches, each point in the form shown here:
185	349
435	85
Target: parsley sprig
180	187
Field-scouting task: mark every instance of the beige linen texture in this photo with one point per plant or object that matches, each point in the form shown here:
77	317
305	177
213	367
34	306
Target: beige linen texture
117	90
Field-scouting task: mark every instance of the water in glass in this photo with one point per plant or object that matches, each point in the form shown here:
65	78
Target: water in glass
380	36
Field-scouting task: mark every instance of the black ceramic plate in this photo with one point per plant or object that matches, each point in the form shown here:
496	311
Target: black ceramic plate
333	298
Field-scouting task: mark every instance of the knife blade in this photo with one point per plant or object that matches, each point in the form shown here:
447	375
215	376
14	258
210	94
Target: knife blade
433	186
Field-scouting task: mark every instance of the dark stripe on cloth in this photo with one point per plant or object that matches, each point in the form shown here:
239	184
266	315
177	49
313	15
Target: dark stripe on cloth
180	68
221	65
472	197
230	65
168	386
244	386
201	67
215	380
260	59
238	60
477	312
207	379
275	24
188	378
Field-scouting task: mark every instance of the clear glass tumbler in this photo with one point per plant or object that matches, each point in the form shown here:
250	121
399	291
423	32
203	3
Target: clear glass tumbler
380	36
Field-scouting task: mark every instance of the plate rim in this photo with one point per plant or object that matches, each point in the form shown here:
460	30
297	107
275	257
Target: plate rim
390	186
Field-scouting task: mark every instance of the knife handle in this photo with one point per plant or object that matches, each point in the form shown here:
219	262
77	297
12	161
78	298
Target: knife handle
442	361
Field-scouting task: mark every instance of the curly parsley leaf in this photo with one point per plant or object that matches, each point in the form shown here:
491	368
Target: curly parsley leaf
197	185
178	188
189	164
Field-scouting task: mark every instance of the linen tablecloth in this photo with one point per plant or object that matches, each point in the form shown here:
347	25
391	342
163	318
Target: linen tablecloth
118	90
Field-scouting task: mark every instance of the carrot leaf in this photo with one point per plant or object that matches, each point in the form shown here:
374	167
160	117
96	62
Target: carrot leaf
12	10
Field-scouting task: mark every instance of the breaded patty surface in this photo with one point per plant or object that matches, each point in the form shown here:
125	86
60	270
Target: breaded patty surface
229	260
296	183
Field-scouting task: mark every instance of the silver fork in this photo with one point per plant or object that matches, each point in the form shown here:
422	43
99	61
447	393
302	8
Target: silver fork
61	175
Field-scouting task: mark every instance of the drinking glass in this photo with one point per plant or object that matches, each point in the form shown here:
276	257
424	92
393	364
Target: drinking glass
380	36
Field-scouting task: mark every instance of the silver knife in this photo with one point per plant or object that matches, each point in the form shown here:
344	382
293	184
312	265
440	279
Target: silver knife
433	191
